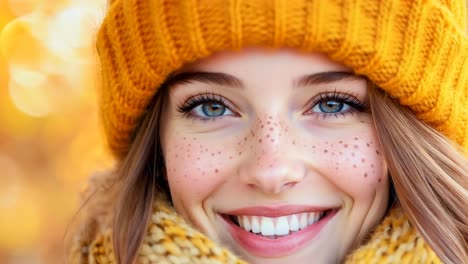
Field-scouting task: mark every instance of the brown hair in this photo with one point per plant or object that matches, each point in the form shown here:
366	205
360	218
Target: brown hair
429	176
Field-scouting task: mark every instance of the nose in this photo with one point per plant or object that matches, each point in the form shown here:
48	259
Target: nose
271	166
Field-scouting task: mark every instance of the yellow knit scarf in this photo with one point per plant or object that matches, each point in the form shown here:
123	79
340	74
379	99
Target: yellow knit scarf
170	239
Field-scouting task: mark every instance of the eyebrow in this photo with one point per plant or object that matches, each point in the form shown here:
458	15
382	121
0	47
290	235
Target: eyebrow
224	79
217	78
324	78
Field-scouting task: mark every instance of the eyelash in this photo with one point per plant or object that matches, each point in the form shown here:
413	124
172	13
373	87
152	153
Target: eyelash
346	98
186	107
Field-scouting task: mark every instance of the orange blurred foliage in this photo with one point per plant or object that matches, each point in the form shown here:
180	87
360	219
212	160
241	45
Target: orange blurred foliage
50	138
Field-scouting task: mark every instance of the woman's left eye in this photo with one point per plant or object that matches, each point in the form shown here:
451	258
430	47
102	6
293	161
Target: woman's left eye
336	103
330	107
211	109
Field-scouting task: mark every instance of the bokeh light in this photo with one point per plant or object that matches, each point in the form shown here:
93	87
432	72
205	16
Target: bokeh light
50	137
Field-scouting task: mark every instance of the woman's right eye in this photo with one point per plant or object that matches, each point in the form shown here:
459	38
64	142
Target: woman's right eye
211	109
205	106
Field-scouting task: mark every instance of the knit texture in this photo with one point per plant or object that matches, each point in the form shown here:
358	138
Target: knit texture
170	240
414	50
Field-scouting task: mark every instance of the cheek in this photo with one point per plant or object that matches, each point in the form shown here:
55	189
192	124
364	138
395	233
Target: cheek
193	170
356	165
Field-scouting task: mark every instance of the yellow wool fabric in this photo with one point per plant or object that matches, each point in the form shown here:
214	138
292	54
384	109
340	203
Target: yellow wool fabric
169	239
415	50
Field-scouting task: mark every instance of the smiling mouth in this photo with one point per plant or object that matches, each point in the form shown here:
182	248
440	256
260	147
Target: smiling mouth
277	227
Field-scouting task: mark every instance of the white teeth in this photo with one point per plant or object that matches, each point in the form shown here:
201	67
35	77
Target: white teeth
246	222
303	221
255	225
239	220
267	226
294	223
312	218
282	226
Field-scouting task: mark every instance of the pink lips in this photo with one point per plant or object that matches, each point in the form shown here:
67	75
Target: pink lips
286	245
277	210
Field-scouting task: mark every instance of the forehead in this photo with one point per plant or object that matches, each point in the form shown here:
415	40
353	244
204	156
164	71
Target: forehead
260	62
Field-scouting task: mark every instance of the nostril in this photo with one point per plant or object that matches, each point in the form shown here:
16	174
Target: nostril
289	185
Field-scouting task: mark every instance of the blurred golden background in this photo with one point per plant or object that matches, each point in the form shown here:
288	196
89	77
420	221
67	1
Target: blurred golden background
50	139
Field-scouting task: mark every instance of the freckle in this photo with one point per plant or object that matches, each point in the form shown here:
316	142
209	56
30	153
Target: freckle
219	152
185	175
345	145
240	153
313	146
206	149
326	142
271	129
203	173
294	142
356	146
212	154
354	166
268	122
275	124
185	138
372	165
365	175
198	158
341	141
262	126
260	140
341	152
325	151
270	117
245	138
230	157
377	151
272	140
363	160
216	170
368	145
356	138
380	179
176	155
268	135
352	154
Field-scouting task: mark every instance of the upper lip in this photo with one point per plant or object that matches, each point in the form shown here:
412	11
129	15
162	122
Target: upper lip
277	210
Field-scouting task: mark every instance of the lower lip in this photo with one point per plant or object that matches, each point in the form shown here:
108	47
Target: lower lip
271	248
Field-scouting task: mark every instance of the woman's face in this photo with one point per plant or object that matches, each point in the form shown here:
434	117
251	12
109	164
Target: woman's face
274	155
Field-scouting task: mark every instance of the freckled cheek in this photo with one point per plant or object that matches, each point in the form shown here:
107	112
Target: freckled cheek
358	169
194	170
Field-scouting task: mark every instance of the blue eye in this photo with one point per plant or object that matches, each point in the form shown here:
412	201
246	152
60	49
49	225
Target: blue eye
211	109
330	107
336	104
205	106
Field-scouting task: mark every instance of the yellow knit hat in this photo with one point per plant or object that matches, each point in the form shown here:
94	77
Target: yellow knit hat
415	50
